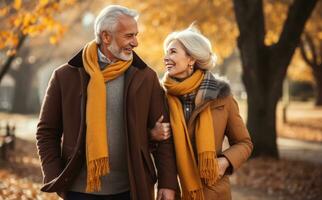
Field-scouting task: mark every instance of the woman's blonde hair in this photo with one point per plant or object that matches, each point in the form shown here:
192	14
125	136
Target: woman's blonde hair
196	45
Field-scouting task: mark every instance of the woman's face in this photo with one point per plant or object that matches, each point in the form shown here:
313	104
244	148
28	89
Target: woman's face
177	62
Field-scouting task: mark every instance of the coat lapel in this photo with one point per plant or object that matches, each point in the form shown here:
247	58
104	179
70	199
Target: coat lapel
213	103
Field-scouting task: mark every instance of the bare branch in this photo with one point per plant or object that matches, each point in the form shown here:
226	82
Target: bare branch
250	18
304	52
7	64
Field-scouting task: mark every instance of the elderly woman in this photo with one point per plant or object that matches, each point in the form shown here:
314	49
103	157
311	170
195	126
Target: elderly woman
202	113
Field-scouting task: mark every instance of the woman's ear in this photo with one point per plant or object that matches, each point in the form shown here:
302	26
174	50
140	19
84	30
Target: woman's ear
106	37
192	61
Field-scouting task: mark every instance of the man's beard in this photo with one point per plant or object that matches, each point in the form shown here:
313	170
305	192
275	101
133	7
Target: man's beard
118	53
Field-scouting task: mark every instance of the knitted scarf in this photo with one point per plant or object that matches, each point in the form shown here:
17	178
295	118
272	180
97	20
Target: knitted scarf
97	151
192	173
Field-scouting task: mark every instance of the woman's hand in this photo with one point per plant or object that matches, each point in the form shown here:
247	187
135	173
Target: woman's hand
223	164
161	131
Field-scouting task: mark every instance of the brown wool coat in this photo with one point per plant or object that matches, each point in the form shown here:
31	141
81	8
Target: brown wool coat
226	122
61	130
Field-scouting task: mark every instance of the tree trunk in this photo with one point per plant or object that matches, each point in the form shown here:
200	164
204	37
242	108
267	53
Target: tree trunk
6	66
314	62
25	99
317	71
264	67
261	123
263	92
23	90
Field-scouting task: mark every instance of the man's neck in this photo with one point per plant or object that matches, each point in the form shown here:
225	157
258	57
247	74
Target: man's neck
107	53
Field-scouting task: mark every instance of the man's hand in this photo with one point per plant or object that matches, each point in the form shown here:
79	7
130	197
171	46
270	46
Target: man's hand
223	164
166	194
161	131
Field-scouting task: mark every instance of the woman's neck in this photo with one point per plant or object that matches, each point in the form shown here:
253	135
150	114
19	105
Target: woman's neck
180	79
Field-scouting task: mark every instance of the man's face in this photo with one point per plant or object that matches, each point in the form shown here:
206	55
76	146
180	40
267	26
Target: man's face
124	38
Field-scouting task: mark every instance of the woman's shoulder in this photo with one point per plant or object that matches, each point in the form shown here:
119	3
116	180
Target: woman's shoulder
219	85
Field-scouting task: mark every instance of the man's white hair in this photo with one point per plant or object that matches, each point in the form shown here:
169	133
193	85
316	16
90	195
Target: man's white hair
196	45
107	19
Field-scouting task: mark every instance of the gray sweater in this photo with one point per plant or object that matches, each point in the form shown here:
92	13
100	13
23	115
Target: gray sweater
117	181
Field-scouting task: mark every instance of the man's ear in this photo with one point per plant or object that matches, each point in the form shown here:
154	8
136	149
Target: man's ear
106	37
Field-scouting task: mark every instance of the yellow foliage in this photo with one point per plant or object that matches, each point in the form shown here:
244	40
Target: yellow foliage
17	21
275	15
11	52
53	39
17	4
298	69
31	18
159	18
3	11
43	2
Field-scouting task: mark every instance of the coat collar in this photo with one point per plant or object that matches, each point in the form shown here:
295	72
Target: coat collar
219	86
77	61
223	91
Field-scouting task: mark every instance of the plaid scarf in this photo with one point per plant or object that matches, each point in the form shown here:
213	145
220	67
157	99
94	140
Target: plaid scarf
209	89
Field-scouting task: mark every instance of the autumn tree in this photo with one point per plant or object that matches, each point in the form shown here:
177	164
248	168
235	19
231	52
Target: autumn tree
159	18
21	19
265	66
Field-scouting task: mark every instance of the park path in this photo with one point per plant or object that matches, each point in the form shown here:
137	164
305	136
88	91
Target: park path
300	150
288	148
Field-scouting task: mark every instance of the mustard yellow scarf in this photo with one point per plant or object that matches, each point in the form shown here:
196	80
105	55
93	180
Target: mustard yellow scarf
191	173
97	153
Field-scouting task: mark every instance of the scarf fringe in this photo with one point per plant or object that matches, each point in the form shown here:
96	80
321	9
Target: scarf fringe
96	169
194	195
208	167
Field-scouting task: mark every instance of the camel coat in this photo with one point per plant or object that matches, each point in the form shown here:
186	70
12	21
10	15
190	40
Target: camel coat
226	122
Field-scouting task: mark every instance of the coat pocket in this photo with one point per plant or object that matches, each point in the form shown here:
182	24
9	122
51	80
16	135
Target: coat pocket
67	154
149	166
221	190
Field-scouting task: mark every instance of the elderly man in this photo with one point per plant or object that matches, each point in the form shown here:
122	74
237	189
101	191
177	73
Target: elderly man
93	134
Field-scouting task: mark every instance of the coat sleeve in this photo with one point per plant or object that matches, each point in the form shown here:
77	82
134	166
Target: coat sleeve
240	142
164	154
49	131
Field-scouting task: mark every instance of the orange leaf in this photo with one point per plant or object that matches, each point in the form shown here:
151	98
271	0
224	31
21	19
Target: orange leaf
11	52
53	40
17	4
43	2
3	11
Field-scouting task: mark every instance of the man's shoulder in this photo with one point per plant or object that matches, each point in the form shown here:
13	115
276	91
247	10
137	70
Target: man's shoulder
66	73
140	64
149	73
149	70
65	68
